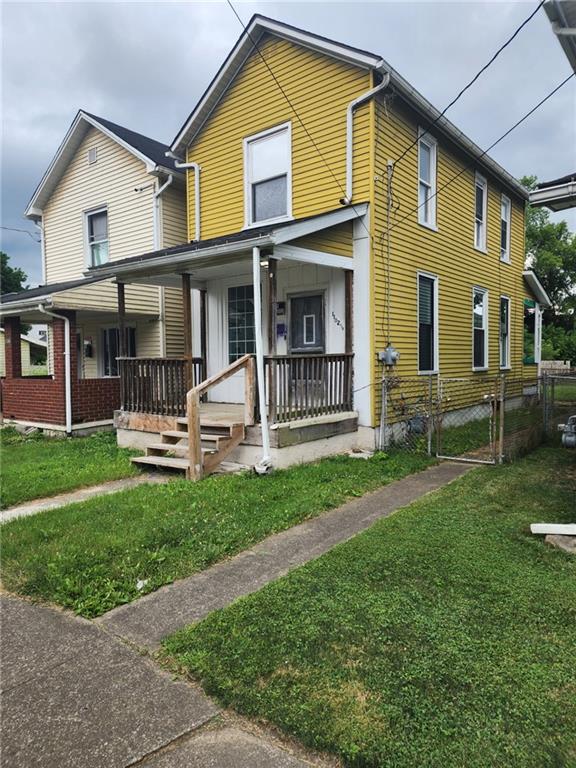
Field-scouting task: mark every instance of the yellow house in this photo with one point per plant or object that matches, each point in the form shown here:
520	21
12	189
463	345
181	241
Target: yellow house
108	194
339	230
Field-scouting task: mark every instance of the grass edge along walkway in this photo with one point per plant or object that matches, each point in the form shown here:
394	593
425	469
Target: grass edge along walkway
442	636
110	550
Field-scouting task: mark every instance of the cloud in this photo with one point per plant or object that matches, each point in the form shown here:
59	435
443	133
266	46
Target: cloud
144	65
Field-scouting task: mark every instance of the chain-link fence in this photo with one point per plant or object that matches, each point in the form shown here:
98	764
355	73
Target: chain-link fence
481	419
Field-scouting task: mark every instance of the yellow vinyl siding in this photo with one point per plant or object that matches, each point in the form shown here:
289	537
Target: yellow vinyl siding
336	240
320	89
109	182
448	253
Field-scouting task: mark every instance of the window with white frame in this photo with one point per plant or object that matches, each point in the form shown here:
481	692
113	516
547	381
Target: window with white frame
110	349
268	175
427	323
505	210
97	236
504	337
427	158
480	329
480	206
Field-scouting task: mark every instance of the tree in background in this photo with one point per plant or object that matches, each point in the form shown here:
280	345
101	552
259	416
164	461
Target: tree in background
12	279
551	253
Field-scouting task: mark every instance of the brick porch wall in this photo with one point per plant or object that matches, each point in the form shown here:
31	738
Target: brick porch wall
43	399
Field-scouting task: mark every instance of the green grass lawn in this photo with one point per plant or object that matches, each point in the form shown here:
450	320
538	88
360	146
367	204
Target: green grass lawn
442	637
39	466
89	556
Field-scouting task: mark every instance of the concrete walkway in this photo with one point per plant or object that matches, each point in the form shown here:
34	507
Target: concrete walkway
146	621
52	502
74	696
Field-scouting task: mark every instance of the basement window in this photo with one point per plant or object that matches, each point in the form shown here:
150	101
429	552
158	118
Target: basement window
268	176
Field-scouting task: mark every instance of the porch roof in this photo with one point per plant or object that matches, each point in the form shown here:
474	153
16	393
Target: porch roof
42	294
219	250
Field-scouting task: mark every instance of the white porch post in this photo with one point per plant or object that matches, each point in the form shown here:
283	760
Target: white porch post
265	461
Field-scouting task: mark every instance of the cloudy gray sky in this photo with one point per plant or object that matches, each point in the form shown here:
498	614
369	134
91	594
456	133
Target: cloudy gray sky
144	65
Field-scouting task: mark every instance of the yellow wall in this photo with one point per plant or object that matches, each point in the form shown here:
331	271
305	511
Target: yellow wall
448	253
320	88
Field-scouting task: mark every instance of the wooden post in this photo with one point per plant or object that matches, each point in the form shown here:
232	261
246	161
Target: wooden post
348	322
272	300
121	320
249	392
187	313
195	468
203	346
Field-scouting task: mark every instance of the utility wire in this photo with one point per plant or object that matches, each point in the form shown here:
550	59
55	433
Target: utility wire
504	135
25	231
475	78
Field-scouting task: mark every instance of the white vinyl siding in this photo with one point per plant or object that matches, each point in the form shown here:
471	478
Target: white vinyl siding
427	163
267	176
480	211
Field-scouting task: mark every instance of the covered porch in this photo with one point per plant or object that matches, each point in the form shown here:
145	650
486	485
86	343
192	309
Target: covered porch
268	336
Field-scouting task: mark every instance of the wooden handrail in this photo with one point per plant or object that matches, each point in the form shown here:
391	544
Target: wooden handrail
195	469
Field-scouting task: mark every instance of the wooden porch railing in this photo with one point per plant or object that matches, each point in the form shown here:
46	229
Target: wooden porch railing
300	387
193	408
158	385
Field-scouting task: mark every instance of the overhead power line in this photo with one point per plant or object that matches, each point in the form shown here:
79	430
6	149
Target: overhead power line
476	76
481	155
25	231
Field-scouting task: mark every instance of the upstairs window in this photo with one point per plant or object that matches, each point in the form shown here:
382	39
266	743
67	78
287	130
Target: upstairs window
97	232
505	208
481	196
427	155
268	176
480	329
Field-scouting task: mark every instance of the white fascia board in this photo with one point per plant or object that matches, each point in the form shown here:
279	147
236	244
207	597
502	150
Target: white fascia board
537	288
240	53
59	162
309	256
551	195
308	227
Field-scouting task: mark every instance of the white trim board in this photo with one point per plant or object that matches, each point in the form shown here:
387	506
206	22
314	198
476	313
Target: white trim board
558	529
295	253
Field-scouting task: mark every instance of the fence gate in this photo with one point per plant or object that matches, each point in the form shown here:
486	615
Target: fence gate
468	419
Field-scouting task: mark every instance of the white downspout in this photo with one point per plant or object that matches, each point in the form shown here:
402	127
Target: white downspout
350	134
196	168
67	372
265	463
157	246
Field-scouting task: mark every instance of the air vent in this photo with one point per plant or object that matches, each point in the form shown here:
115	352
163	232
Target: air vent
92	155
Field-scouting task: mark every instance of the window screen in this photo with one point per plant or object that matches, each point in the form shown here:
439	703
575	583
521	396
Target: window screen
426	320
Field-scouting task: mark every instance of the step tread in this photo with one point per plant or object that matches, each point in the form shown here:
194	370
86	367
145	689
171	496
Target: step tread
173	447
162	461
209	438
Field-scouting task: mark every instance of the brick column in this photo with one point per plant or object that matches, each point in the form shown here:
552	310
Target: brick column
12	347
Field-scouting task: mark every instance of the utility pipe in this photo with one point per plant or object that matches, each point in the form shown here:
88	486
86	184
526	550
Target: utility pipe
350	133
157	245
196	168
67	375
265	463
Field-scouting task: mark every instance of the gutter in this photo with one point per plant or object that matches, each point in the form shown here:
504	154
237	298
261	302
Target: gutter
67	374
551	195
350	133
196	168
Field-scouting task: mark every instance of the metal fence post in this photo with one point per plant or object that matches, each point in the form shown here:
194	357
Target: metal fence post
502	409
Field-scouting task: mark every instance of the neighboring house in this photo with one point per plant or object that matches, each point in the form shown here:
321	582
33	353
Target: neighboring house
562	16
294	207
108	194
557	194
32	355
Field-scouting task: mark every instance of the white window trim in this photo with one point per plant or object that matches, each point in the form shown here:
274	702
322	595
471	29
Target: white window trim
432	144
248	223
479	289
505	257
435	313
508	365
87	214
480	180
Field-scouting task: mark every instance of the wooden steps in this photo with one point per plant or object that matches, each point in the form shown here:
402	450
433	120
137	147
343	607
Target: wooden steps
217	438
